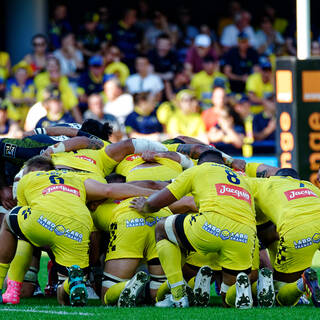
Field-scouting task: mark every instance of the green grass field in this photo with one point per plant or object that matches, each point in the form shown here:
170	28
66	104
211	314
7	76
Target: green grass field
47	308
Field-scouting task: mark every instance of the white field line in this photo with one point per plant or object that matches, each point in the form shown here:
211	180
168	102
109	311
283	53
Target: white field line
48	312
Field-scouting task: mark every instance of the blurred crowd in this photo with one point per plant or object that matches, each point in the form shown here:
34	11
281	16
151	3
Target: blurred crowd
151	77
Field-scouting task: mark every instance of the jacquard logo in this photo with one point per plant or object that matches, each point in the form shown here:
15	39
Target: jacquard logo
61	187
87	159
233	191
133	157
299	193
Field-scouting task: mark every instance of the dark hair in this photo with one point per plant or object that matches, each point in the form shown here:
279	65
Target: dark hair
96	128
141	96
163	36
210	156
39	163
39	35
288	172
142	56
115	178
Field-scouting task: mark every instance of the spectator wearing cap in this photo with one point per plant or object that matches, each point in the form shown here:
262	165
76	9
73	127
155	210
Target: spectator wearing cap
239	62
89	39
202	48
70	58
8	128
260	84
230	33
55	112
38	58
53	76
126	36
185	119
20	91
264	123
114	65
91	81
144	80
163	58
202	82
95	112
119	103
143	121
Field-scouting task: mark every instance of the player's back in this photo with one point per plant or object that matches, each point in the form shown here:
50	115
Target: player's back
287	202
57	191
218	189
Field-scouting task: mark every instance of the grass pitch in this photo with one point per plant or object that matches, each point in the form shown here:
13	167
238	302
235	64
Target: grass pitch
47	308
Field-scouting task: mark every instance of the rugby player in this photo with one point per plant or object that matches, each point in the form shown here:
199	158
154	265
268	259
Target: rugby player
52	213
225	224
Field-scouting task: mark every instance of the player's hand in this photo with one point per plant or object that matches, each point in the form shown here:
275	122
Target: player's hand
6	198
238	164
149	156
93	205
138	204
28	134
47	153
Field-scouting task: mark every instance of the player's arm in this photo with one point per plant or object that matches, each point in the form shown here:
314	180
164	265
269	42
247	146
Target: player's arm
184	205
150	184
22	201
97	191
53	131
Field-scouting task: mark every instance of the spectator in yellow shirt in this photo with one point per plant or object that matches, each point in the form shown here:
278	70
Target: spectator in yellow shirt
53	76
20	92
5	63
202	81
258	85
185	119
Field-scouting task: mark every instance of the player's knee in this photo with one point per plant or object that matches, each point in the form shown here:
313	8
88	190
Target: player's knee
160	231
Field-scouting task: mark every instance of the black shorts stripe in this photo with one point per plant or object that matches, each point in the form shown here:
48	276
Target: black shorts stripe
14	225
180	232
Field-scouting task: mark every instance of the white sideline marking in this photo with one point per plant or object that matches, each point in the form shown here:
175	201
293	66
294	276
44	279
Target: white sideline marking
48	311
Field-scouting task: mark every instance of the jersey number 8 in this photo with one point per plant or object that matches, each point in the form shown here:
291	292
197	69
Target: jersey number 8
232	177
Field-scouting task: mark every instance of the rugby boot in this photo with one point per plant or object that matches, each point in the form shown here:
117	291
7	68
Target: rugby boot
202	286
77	286
243	292
311	286
12	294
265	288
169	302
132	290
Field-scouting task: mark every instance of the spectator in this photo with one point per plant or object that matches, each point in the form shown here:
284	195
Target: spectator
91	81
239	63
52	75
234	8
258	85
163	58
20	92
95	112
8	128
230	34
38	110
264	123
119	104
38	59
268	40
202	81
144	80
55	113
159	25
185	119
126	36
202	48
115	66
144	15
5	64
70	58
279	24
104	20
143	122
58	25
219	122
89	39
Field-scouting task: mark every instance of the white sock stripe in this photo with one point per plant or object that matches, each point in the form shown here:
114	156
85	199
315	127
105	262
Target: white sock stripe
224	288
111	276
177	284
169	231
155	285
155	276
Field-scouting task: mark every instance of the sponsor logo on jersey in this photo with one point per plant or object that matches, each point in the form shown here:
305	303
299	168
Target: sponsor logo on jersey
140	222
302	243
10	150
133	157
233	191
225	234
87	159
299	193
61	187
60	230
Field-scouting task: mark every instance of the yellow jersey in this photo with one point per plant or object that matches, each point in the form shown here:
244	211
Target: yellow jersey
287	202
95	161
58	191
166	169
217	189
